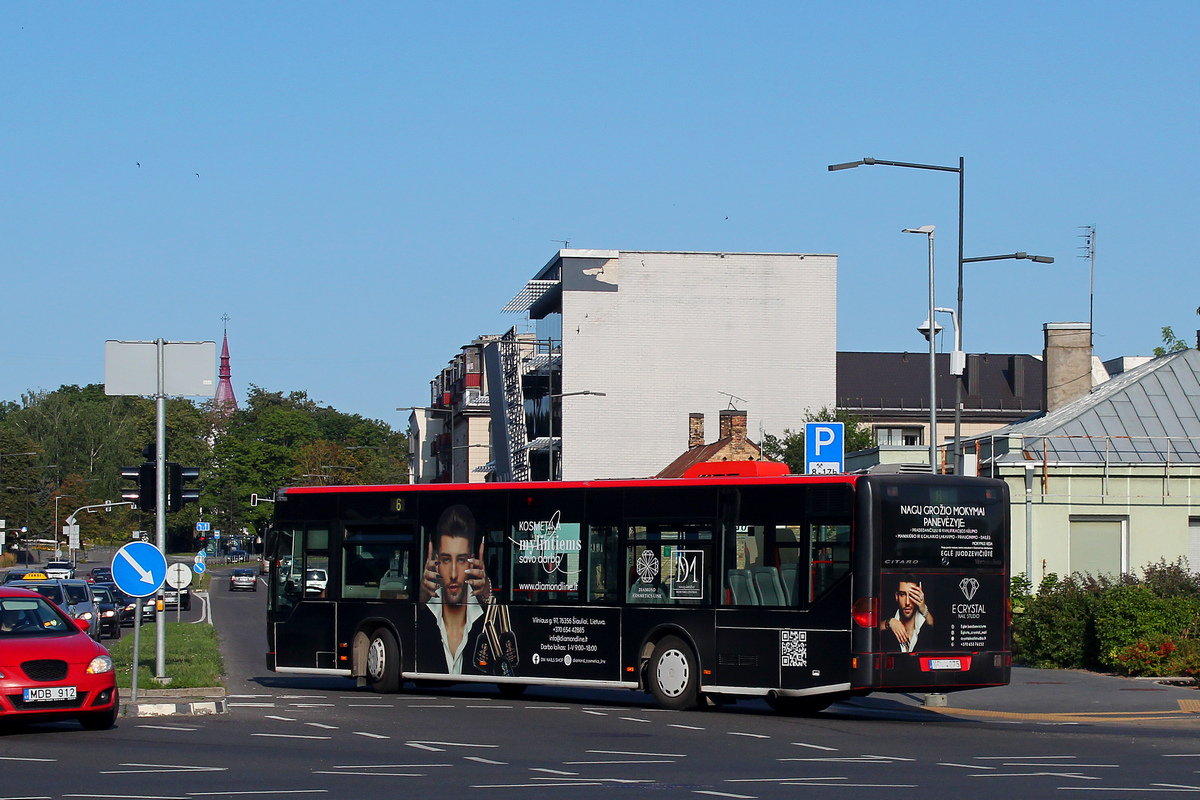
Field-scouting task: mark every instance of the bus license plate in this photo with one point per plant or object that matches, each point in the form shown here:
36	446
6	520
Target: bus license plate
48	694
945	663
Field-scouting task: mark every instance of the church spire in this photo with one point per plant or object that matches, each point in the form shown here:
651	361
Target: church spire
225	399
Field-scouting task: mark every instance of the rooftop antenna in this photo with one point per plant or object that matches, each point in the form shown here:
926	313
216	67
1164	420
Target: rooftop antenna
1089	252
566	243
732	397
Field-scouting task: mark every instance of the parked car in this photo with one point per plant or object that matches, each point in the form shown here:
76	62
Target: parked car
109	610
243	579
72	596
49	667
315	581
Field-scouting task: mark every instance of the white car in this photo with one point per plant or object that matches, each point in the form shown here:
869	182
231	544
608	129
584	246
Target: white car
315	581
59	570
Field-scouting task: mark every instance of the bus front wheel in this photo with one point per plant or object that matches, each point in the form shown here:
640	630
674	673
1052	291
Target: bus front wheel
383	662
673	675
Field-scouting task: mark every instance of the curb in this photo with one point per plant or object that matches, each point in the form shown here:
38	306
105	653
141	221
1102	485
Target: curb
176	702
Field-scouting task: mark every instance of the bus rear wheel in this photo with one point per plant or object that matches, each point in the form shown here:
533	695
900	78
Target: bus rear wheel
673	675
383	662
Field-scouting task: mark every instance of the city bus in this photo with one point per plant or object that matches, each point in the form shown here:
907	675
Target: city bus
803	590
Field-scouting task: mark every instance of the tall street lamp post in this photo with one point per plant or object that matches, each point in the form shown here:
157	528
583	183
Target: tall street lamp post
931	335
936	168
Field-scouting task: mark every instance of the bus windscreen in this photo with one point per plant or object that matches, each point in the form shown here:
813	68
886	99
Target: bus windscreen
957	526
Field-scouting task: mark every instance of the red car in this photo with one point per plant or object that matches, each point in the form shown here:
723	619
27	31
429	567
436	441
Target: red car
50	669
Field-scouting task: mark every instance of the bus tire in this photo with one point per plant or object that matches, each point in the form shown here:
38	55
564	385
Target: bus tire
383	662
673	675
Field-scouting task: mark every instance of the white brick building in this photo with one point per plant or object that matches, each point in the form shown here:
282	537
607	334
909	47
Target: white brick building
638	340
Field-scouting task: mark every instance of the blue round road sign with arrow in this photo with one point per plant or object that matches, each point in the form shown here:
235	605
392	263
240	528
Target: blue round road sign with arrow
139	569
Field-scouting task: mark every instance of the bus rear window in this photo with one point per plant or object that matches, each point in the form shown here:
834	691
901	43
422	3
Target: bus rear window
942	526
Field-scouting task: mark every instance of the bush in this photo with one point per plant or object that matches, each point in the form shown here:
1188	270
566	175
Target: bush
1128	615
1138	626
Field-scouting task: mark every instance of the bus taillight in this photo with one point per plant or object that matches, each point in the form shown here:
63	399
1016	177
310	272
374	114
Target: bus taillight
866	612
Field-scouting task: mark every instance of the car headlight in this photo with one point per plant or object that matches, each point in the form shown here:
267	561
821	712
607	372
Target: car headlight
84	615
110	613
100	665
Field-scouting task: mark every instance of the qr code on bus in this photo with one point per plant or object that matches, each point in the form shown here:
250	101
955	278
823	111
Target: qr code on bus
793	648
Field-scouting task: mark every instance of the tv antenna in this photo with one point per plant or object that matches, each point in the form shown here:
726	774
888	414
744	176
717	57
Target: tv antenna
1089	252
566	243
732	397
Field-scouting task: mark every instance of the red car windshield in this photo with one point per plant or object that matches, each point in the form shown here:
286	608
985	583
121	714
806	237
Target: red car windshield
31	616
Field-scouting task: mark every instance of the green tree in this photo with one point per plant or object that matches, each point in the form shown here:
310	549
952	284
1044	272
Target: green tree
1171	342
789	447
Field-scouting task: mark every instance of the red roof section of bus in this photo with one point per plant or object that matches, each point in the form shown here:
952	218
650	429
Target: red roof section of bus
625	483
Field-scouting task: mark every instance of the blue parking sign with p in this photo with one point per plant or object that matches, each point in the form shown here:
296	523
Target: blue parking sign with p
824	448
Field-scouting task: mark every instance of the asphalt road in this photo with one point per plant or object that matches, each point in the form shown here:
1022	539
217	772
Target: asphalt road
296	737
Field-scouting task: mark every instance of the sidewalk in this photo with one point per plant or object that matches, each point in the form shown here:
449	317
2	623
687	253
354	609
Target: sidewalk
1065	696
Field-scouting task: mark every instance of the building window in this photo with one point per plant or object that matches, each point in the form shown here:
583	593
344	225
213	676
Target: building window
899	436
1099	545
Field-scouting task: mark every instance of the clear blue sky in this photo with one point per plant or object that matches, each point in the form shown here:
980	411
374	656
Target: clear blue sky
363	186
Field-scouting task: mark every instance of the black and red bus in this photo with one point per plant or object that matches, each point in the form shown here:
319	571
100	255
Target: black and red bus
801	589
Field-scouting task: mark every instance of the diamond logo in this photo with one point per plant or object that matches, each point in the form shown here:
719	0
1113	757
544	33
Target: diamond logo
969	587
647	566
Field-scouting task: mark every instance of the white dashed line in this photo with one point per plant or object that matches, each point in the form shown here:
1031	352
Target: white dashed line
371	735
289	736
482	760
751	735
815	746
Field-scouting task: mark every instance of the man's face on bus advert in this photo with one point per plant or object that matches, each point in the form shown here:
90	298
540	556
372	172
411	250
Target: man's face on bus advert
453	560
906	600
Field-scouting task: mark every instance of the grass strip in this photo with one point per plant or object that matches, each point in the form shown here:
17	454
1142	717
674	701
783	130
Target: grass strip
192	658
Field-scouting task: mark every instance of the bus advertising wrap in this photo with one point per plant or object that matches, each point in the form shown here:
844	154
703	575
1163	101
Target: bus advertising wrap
963	529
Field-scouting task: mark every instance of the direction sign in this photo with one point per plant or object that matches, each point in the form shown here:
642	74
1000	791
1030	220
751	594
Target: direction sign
179	576
199	568
139	569
824	448
204	526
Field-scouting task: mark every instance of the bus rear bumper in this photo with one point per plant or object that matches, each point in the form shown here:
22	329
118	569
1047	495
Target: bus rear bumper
935	672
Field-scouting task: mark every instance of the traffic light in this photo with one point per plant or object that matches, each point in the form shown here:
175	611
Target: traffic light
145	476
177	495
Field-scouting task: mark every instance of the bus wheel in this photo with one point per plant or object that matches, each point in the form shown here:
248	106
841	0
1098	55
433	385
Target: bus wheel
673	676
383	662
800	706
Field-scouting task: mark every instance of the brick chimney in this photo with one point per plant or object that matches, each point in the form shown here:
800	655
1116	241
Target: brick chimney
733	424
695	430
1067	359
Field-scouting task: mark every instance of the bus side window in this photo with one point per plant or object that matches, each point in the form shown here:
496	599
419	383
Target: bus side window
829	556
604	564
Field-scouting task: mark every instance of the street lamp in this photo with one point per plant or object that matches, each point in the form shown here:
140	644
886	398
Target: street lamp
932	337
554	397
936	168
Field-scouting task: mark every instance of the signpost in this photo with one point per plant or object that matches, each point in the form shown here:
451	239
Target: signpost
824	448
139	569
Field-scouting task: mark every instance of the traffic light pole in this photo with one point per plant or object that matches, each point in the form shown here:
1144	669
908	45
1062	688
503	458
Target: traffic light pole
160	512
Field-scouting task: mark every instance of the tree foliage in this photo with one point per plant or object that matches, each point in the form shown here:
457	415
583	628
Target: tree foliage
789	447
1171	342
80	438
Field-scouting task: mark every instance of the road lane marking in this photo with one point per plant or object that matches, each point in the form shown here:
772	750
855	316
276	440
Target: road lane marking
167	727
450	744
688	727
420	746
483	760
259	791
311	705
635	719
371	735
635	753
752	735
964	766
489	706
289	736
322	725
19	758
390	766
552	771
281	719
815	746
370	705
251	705
162	768
372	774
595	713
620	761
725	794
